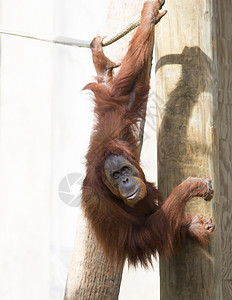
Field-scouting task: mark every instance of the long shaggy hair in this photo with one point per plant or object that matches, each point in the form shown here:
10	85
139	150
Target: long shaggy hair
134	233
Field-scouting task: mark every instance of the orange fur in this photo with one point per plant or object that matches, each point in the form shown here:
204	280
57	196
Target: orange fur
134	233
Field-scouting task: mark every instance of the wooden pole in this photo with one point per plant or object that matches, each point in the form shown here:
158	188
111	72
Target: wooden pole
223	111
194	137
90	277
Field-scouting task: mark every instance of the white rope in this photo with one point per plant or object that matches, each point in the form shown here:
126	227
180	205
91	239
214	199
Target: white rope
67	41
114	37
49	39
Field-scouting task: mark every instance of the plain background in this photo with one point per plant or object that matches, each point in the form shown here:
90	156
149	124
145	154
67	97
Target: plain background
45	125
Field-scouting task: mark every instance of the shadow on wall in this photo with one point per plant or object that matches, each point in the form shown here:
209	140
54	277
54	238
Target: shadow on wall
183	151
175	150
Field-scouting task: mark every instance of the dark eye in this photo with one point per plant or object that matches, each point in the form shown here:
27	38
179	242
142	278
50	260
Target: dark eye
125	169
115	175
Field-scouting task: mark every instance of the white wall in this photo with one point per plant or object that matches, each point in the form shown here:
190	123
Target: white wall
45	124
25	154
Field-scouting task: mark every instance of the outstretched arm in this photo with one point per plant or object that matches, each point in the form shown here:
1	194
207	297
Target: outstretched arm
133	76
169	226
135	64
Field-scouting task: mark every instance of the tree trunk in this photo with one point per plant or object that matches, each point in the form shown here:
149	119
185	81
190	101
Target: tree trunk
188	65
90	277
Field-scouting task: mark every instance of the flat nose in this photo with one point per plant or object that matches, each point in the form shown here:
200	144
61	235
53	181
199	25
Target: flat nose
125	180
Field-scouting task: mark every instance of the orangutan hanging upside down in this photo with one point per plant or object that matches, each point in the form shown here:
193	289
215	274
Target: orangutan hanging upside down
123	209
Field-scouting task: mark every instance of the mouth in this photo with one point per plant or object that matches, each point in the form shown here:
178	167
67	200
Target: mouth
132	196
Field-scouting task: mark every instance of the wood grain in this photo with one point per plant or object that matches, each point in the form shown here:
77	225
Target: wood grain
188	138
224	60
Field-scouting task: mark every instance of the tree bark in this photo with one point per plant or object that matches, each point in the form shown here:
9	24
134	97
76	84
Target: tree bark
188	66
90	276
223	206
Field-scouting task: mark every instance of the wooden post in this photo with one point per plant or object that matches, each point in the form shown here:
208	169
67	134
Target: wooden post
90	277
223	210
194	137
